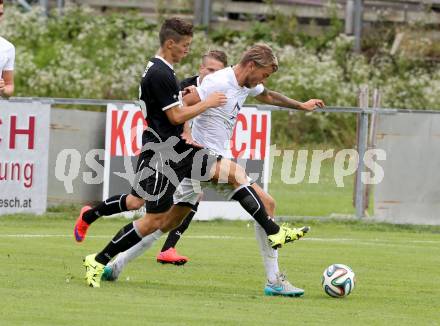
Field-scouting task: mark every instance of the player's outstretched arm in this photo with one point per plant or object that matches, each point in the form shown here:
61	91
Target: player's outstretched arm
277	99
179	114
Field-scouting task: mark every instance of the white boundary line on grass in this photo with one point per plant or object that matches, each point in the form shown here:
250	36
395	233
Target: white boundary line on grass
227	237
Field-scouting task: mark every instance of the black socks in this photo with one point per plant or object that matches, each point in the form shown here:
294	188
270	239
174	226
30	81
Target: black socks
112	205
250	201
126	238
174	235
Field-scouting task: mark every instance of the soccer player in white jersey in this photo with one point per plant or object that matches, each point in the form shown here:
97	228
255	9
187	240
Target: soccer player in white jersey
7	59
213	129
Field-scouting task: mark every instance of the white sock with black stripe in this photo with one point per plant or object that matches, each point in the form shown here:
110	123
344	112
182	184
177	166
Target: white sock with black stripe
127	256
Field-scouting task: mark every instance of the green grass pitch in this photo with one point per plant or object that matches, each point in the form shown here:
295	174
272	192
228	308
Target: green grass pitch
41	276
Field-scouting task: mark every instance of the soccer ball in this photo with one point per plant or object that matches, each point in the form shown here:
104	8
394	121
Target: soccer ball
338	280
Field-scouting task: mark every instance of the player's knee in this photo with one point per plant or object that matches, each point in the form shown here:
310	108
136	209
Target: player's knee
229	172
149	223
238	177
134	202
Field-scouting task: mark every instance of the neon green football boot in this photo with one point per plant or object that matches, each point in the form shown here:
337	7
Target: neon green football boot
94	271
286	234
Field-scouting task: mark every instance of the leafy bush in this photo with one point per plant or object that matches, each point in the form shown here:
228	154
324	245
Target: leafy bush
86	55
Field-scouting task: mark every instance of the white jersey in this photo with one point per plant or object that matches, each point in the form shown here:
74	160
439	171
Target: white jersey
7	55
213	128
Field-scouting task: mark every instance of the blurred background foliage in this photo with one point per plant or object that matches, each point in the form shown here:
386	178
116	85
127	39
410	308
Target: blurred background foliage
85	54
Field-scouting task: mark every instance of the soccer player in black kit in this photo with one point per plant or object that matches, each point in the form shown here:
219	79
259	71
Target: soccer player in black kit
211	61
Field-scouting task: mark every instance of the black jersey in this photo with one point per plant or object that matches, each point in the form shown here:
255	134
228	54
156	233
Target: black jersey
191	81
159	90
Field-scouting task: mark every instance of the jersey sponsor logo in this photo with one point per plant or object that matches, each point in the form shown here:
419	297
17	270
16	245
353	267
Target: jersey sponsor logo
149	65
141	101
235	111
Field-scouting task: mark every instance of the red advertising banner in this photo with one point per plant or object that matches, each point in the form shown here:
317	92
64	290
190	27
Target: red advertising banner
249	146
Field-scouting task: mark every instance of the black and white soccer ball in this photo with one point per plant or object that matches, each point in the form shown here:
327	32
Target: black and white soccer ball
338	280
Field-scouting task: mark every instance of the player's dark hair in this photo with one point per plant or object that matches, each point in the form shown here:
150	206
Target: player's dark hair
175	29
217	55
1	2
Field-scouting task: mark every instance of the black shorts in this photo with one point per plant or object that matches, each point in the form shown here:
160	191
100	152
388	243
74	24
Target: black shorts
159	173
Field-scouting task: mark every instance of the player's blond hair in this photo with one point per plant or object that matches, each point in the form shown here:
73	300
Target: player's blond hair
262	55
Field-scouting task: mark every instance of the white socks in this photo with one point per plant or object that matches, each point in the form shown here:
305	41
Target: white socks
270	255
127	256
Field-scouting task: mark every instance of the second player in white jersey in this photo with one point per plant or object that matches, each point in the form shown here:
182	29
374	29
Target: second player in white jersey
213	128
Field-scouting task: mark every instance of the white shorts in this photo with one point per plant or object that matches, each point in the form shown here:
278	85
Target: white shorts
189	190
